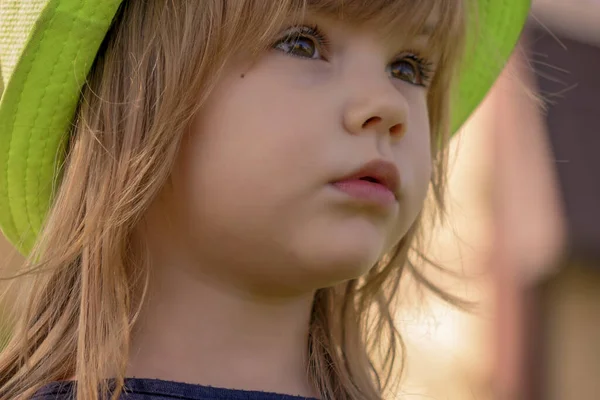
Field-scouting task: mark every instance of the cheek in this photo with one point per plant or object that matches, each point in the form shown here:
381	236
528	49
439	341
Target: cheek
252	148
413	156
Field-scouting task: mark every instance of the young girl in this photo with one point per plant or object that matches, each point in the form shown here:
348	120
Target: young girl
218	198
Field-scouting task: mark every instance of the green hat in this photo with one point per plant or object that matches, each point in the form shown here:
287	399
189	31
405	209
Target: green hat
48	46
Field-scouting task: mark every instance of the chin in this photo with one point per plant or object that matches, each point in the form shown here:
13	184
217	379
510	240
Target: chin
344	257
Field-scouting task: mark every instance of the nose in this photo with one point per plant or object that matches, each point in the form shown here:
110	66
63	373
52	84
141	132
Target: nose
378	107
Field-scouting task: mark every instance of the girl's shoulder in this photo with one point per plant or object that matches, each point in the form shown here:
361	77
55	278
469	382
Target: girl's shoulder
156	389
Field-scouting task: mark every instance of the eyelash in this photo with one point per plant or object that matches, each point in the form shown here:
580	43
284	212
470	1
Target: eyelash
315	32
311	31
424	66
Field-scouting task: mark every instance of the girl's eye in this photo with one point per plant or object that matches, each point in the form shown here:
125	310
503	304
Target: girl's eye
302	41
412	69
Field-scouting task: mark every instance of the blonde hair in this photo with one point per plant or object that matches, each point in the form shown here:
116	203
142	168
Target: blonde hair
140	96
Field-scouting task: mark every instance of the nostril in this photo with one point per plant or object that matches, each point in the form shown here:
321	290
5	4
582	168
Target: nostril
397	130
371	121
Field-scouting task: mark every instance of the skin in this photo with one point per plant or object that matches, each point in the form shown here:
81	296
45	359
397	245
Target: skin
250	226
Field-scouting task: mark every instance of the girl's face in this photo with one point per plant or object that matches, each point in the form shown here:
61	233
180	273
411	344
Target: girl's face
254	199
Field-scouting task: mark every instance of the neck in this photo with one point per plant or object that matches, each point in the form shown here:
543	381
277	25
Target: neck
196	332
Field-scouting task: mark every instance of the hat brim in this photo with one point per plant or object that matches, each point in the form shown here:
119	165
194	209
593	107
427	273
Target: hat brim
493	34
47	48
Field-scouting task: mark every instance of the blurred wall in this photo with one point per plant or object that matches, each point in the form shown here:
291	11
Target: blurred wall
577	19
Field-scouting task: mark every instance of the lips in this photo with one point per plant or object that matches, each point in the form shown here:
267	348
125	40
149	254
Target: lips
378	172
376	182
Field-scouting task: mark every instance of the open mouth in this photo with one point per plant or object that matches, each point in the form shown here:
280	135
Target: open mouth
370	179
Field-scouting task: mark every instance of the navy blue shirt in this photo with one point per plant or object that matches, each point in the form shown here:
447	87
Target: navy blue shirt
154	389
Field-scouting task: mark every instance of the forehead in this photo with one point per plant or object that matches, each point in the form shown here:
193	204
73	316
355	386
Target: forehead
253	24
402	16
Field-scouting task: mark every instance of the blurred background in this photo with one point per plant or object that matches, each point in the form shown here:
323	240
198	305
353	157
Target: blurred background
524	226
